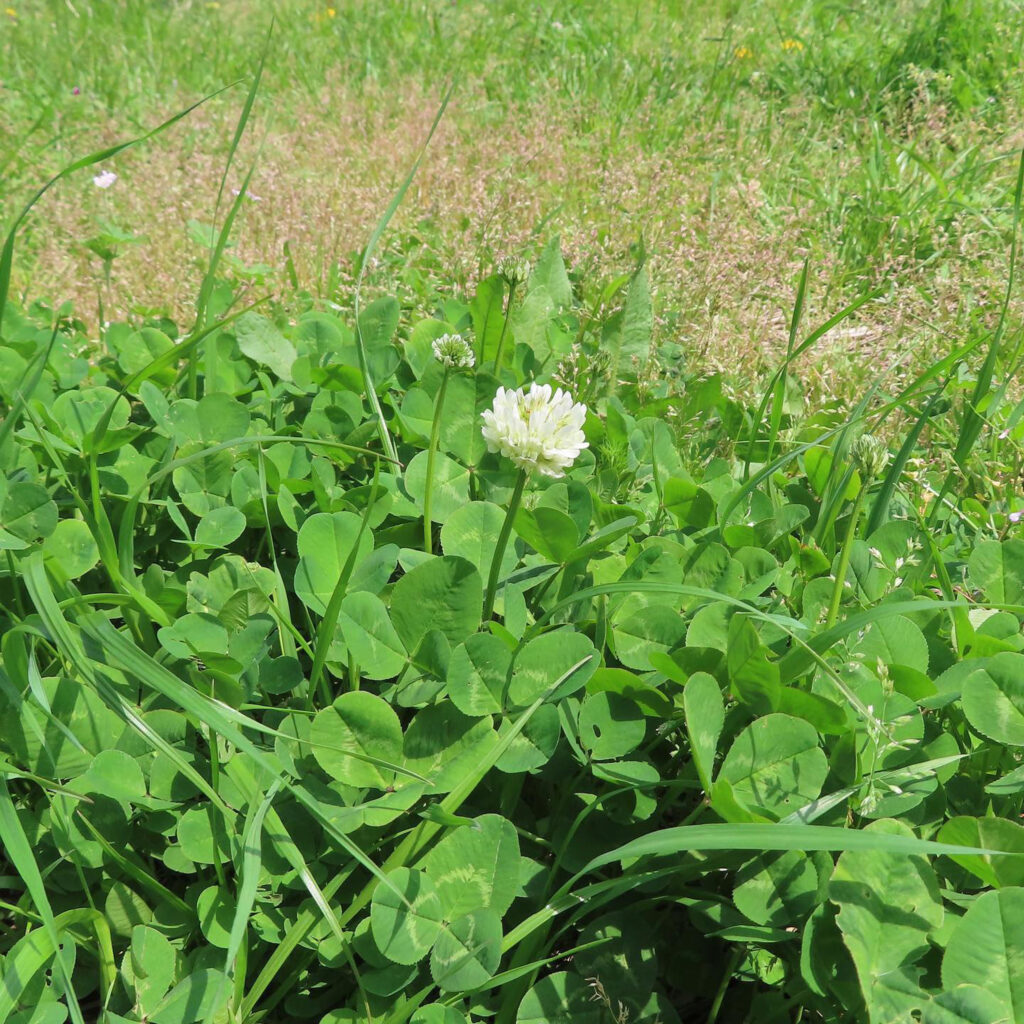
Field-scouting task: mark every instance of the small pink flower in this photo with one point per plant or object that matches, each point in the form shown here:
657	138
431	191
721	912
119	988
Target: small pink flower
104	179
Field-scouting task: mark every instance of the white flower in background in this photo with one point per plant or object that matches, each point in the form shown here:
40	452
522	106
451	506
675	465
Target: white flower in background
537	430
104	179
453	351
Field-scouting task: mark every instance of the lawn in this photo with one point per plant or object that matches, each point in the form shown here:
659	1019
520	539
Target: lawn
511	513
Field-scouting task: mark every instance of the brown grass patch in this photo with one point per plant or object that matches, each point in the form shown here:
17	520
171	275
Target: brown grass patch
724	261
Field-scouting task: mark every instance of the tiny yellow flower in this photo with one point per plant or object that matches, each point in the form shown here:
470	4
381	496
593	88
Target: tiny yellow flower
10	12
792	44
743	53
331	12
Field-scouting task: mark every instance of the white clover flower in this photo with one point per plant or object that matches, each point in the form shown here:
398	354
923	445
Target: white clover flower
537	430
514	269
453	351
104	179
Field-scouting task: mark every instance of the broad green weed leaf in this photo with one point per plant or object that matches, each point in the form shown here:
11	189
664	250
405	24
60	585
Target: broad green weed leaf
405	915
471	532
36	742
28	514
776	764
263	343
561	998
993	699
477	673
199	840
535	745
124	909
548	531
488	312
476	867
549	273
635	638
451	485
364	724
895	640
377	325
79	413
444	746
154	965
867	886
467	952
705	716
991	834
197	997
443	593
135	350
964	1004
220	527
689	504
610	726
369	636
997	569
468	396
547	657
437	1014
986	948
325	543
221	417
114	774
71	548
777	889
205	484
215	911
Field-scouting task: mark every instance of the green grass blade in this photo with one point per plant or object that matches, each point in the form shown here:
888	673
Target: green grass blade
688	838
371	393
19	851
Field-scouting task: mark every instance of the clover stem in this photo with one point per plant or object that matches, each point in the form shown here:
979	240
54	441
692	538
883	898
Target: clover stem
499	548
504	328
844	559
435	433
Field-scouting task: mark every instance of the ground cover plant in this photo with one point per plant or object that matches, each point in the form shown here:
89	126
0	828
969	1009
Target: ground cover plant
449	648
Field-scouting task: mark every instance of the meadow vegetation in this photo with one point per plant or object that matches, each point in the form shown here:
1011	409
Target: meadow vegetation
511	512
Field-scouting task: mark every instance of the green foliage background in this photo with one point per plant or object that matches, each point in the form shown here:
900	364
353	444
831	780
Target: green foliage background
742	738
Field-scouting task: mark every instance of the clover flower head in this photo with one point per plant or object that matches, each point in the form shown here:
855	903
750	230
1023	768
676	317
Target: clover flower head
104	179
537	430
514	269
453	351
869	455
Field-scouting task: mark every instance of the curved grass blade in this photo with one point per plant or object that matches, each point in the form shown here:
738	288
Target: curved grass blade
19	851
726	836
371	392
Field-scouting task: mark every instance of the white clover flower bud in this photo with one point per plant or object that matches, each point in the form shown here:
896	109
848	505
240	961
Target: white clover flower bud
514	269
869	455
537	430
453	351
